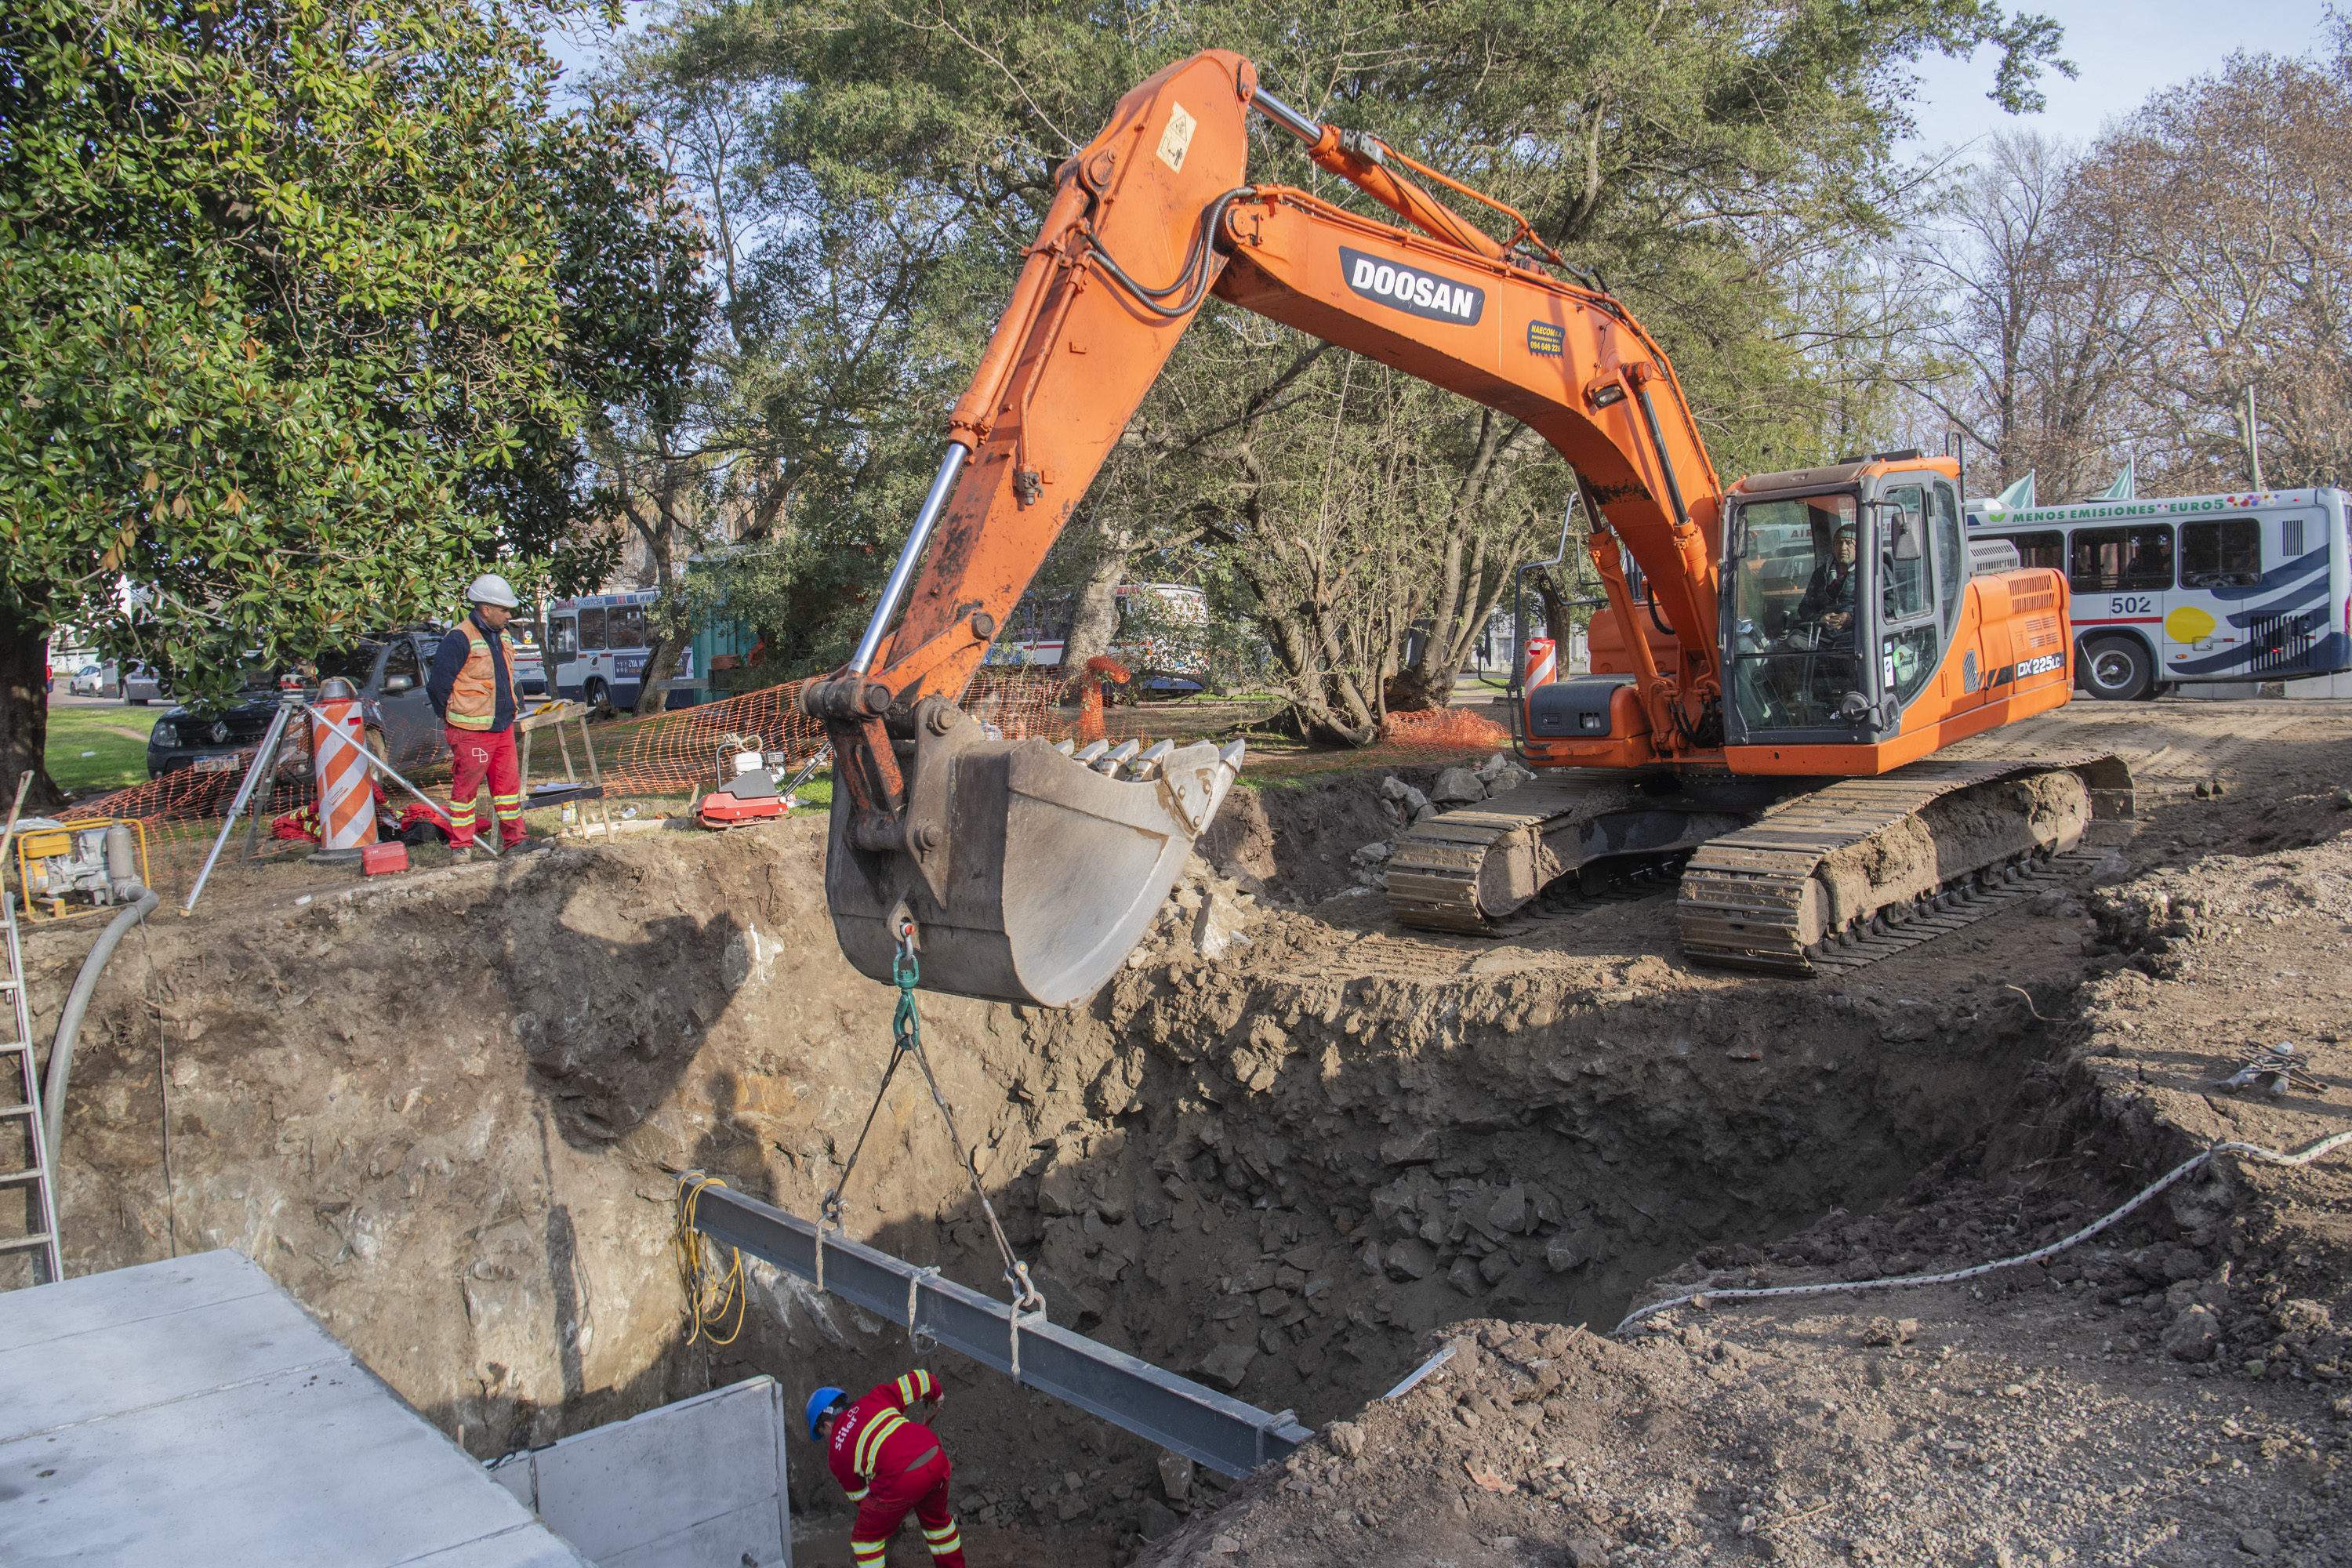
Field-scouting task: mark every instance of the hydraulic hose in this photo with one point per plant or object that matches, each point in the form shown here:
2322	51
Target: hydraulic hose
85	986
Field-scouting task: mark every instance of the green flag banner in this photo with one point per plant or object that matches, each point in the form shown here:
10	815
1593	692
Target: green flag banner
2126	485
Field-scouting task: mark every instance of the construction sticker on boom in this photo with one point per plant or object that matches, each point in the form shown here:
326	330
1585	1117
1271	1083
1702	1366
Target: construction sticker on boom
1415	293
1177	139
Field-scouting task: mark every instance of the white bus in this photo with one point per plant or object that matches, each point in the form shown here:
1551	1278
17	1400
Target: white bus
2195	589
596	651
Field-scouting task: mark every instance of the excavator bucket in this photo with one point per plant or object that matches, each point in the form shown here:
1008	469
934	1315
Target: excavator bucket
1029	870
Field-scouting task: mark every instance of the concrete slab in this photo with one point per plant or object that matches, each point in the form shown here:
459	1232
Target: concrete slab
127	1295
697	1484
190	1412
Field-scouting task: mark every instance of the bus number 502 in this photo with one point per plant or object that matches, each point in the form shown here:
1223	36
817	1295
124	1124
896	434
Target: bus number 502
2131	607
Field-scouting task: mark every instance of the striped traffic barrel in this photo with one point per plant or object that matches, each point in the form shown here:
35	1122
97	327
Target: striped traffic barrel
346	802
1543	662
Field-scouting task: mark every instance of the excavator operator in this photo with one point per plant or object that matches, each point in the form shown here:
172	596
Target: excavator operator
1825	615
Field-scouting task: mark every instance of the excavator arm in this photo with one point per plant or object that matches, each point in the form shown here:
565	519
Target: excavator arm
1029	873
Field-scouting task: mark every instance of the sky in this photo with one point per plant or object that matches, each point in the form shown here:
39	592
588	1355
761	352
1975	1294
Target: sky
2124	50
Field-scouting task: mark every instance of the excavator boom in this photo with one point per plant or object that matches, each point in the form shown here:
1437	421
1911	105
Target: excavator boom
1029	873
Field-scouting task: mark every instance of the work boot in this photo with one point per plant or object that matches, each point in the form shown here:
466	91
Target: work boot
460	857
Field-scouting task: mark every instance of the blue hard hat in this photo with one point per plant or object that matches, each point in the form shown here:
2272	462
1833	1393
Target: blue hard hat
822	1400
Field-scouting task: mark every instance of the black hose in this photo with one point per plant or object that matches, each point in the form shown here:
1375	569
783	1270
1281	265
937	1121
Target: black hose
1664	629
1194	279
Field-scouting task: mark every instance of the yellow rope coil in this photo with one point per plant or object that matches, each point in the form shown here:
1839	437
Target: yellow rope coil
709	1289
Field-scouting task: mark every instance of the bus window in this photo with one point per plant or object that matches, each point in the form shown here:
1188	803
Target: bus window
566	632
627	625
2225	554
2041	549
2120	560
592	628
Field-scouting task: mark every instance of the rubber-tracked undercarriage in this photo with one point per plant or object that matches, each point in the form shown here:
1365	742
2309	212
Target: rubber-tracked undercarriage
1781	873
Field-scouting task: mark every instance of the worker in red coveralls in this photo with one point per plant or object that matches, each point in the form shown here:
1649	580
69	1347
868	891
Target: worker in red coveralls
889	1466
472	688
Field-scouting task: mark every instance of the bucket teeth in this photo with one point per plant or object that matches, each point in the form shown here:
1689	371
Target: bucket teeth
1145	766
1065	747
1092	751
1108	762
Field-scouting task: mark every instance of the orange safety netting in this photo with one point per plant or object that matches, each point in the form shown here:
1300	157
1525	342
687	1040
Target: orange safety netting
674	755
1445	729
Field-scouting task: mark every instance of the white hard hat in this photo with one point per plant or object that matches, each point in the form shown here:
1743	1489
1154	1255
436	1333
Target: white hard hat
490	589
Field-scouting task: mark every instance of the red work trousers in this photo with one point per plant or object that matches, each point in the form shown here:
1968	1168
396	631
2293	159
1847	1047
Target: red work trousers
482	756
922	1492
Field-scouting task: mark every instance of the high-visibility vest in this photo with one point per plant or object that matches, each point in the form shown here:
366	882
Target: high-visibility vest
872	1439
473	695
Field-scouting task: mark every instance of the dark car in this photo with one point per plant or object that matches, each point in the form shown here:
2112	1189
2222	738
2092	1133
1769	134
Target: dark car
387	670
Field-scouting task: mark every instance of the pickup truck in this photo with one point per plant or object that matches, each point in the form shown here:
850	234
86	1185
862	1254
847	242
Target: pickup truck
387	669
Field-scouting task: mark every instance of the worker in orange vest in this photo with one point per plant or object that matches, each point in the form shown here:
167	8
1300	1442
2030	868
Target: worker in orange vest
472	687
889	1466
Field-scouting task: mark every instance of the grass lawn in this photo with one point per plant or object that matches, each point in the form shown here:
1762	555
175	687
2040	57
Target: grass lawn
100	748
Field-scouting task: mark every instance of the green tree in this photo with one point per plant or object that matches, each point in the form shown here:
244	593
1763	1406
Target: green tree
289	292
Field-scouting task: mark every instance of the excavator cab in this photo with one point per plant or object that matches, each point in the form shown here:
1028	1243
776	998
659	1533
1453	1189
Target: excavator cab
1840	593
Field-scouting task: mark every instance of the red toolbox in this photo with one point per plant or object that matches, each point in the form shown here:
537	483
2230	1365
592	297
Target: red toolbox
378	859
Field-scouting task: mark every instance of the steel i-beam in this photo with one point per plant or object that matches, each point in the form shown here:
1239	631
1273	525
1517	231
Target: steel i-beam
1229	1437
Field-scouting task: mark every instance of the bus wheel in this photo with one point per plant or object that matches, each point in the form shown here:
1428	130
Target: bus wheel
598	695
2117	669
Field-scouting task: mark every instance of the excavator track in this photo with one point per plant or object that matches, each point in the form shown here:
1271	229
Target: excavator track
1822	878
1437	869
1758	899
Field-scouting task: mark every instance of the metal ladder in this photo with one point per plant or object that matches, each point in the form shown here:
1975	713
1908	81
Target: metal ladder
20	1119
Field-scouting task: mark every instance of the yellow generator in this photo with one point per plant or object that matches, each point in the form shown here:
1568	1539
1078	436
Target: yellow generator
66	868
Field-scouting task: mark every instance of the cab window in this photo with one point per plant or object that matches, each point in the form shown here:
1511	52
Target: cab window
1911	642
401	661
1951	550
354	663
1796	579
1904	586
566	633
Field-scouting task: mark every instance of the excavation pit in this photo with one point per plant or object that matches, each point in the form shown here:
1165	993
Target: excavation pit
445	1113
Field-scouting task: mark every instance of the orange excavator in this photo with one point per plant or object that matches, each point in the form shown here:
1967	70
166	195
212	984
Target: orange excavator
1776	664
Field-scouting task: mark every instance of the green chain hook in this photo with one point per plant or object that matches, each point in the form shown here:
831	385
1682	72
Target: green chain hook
907	970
